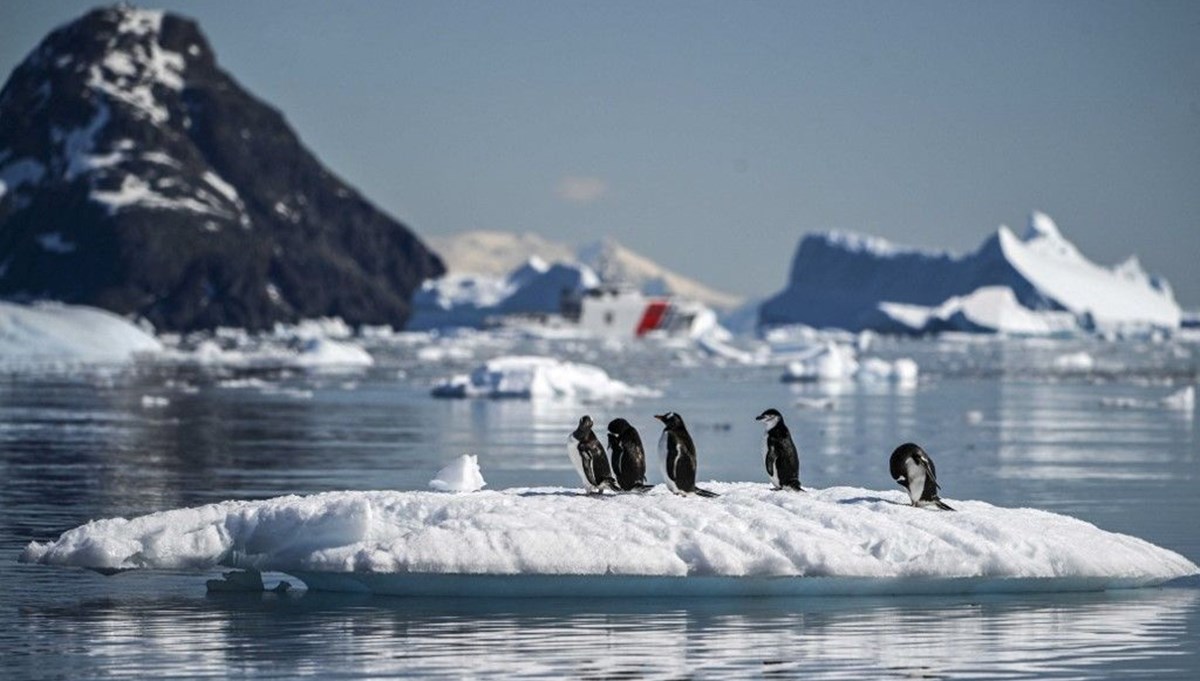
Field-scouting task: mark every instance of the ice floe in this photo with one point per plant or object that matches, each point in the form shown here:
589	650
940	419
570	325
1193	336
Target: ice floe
532	377
553	541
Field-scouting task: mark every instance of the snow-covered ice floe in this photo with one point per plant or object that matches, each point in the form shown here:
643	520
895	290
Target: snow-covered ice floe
560	542
54	332
533	377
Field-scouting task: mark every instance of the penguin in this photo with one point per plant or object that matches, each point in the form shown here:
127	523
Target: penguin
914	470
783	463
677	454
589	458
628	455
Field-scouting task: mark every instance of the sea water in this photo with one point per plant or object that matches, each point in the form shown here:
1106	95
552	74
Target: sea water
1004	422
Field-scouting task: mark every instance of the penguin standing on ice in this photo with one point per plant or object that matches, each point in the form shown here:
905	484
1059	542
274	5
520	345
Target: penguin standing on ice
677	454
783	462
914	470
587	454
628	455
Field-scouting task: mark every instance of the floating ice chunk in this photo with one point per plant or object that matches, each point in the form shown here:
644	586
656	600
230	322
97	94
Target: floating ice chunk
839	540
324	352
902	371
828	362
56	332
154	402
531	377
1184	399
973	417
1080	362
713	345
833	362
462	475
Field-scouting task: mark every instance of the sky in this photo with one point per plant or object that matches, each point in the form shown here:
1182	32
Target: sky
712	135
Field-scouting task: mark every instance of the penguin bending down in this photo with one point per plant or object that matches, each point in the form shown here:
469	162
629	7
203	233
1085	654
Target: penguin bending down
677	454
914	470
628	455
783	462
587	454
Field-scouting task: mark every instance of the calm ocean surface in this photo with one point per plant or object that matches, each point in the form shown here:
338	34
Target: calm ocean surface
1004	425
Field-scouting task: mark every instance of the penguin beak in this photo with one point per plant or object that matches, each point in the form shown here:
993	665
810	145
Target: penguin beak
661	417
760	417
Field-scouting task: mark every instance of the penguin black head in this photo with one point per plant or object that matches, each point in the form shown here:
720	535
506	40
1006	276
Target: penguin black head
585	422
769	418
618	426
907	449
671	420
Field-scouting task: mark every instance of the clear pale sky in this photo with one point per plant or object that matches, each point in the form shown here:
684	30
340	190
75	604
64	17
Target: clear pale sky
712	135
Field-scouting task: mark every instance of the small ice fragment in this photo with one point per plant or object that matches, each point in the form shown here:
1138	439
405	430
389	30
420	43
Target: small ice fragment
154	402
1184	399
1075	361
462	475
973	417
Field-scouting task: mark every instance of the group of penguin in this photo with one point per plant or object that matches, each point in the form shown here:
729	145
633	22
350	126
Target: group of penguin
910	465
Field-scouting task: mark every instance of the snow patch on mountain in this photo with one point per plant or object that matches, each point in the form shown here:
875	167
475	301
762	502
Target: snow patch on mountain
495	254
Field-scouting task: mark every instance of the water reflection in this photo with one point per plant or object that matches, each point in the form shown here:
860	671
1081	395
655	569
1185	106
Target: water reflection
73	448
998	637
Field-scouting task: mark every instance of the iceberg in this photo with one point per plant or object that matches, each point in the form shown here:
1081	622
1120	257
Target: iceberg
55	332
533	377
559	542
1034	283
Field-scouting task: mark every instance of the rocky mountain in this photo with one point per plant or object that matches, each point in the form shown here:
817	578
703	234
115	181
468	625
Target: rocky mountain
495	254
138	176
1031	281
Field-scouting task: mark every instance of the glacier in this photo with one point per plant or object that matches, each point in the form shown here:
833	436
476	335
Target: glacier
560	542
1035	283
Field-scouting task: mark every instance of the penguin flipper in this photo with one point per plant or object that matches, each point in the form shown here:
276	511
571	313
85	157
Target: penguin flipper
705	493
794	485
942	505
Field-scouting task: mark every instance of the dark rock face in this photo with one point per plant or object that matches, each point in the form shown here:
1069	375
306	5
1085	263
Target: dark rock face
137	176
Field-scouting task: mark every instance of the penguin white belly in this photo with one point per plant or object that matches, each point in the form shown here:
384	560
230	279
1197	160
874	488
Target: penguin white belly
774	472
577	461
662	460
915	473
